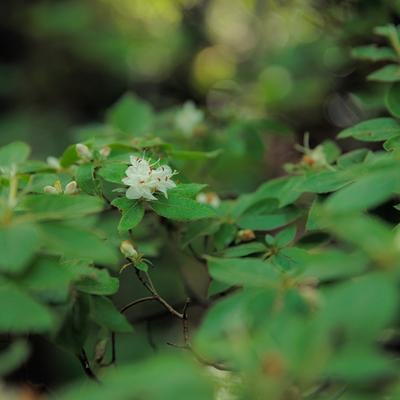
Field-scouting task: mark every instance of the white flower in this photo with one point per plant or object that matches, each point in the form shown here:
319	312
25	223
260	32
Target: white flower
144	180
50	190
188	117
71	188
84	153
209	198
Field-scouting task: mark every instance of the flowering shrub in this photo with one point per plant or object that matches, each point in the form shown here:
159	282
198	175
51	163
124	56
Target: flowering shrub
297	282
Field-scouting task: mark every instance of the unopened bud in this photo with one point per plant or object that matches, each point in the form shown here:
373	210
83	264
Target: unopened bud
53	162
128	250
246	235
105	151
50	190
83	152
209	198
71	188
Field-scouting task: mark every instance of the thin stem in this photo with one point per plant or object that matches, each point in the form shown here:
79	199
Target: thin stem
113	334
151	288
82	357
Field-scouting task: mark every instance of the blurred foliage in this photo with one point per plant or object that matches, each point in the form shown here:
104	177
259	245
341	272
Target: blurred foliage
292	281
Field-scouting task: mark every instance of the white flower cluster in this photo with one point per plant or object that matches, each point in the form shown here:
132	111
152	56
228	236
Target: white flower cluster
144	180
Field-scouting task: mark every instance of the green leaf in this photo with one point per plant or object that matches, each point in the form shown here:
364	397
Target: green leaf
48	279
243	271
369	191
374	53
285	237
69	157
392	100
181	208
20	313
334	264
98	282
194	155
244	250
16	354
84	177
224	236
269	221
113	172
103	311
75	243
177	376
48	206
131	216
18	245
388	73
131	115
187	189
13	154
374	130
346	305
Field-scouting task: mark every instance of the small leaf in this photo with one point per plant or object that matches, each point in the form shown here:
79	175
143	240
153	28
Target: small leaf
369	191
388	73
75	243
268	221
131	115
98	282
45	206
20	313
84	177
113	172
18	245
14	153
243	271
181	208
11	358
103	311
374	53
245	249
131	217
374	130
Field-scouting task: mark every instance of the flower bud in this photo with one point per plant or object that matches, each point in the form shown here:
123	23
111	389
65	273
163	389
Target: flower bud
210	198
71	188
128	250
53	162
105	151
246	235
50	189
83	152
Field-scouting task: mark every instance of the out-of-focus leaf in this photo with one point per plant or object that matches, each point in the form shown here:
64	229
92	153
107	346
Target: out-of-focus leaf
18	244
103	311
374	130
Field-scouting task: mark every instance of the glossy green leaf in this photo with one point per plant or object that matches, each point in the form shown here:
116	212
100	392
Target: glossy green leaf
181	208
388	73
374	130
